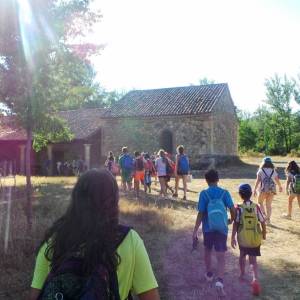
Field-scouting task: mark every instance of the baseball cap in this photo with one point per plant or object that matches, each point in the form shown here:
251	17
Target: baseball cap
245	189
267	159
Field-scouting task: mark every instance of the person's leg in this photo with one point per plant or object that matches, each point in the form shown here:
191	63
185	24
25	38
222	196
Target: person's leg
162	182
184	181
242	261
290	206
137	186
221	264
207	259
253	263
269	200
176	186
261	198
298	198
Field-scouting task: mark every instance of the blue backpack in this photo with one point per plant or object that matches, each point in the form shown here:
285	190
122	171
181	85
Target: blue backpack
217	213
183	164
128	162
67	282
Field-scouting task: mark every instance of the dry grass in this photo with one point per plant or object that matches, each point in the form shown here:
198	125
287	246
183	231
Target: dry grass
167	235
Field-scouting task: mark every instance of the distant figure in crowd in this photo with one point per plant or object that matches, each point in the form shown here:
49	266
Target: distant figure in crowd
266	181
86	252
250	228
170	171
149	172
126	167
292	186
212	213
138	172
182	169
111	164
161	168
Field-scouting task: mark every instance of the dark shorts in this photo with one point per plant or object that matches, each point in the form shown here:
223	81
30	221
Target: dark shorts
182	173
126	176
215	240
250	251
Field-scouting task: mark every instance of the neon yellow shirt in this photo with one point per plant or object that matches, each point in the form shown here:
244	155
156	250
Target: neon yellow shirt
135	273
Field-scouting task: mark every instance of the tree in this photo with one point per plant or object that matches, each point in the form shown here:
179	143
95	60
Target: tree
280	93
39	65
205	80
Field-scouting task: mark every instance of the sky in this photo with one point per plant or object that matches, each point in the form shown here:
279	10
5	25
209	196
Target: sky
169	43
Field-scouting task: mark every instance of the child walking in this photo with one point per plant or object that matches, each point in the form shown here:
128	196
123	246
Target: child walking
266	181
250	228
292	186
138	172
212	213
149	171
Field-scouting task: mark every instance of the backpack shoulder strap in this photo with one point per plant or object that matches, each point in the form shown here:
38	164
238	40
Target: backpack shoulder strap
264	172
123	231
272	173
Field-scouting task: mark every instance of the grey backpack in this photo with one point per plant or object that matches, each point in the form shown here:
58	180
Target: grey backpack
268	184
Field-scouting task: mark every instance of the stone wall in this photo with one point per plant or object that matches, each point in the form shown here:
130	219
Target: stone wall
144	134
225	127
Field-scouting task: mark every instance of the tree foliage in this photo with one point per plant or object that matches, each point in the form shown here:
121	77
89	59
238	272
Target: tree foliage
273	128
43	65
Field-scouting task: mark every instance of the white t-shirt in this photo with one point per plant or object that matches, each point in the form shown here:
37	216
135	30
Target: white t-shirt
161	167
268	171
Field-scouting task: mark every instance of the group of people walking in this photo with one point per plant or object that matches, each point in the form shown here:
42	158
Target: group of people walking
249	219
87	254
142	167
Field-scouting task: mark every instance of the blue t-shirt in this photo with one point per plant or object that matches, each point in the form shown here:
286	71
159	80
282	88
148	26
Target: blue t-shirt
213	192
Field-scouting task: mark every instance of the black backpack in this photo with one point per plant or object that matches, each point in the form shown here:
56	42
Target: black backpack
67	282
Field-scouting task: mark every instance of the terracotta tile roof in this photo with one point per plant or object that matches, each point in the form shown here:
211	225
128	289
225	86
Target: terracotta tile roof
83	122
189	100
10	130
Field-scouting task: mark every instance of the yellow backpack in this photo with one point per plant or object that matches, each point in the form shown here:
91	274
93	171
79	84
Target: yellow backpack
249	232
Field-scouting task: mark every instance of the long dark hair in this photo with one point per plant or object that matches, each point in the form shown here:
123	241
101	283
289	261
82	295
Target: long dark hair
292	168
89	227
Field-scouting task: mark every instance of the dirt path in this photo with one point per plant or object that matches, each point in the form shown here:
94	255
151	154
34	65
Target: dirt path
185	272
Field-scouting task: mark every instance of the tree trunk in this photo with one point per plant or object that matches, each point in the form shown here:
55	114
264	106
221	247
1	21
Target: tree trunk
28	177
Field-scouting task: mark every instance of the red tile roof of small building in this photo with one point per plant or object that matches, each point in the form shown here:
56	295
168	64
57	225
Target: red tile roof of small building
188	100
83	122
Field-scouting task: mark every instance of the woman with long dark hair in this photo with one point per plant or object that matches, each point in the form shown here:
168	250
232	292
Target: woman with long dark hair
90	229
292	186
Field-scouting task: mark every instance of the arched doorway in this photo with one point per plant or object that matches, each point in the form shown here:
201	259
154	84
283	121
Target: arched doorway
166	141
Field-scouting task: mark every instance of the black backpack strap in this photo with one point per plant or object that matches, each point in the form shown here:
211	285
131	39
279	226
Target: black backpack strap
114	284
265	172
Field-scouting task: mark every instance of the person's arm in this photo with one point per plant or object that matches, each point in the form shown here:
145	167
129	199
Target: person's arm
149	295
287	183
232	214
176	165
278	183
197	225
257	182
264	230
233	235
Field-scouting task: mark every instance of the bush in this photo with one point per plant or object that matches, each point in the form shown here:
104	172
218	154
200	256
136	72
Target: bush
294	153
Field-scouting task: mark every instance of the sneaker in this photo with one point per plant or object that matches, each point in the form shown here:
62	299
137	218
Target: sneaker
209	276
220	288
256	289
184	198
286	216
175	195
